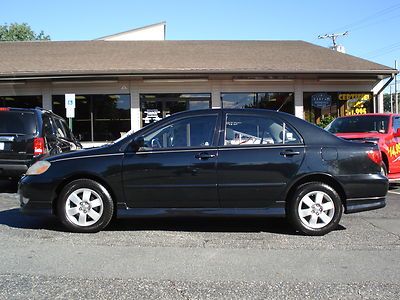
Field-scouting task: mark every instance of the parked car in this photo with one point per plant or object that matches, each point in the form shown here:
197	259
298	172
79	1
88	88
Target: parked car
245	162
382	129
27	135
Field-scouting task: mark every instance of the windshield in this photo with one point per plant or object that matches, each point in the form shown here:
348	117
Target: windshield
17	122
359	124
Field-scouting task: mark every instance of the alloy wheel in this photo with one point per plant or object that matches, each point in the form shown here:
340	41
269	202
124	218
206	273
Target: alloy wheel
316	209
84	207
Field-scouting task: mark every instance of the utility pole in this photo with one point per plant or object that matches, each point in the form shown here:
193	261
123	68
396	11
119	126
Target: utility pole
333	37
391	99
396	103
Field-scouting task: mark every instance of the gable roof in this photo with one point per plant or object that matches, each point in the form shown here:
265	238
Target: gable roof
131	33
33	59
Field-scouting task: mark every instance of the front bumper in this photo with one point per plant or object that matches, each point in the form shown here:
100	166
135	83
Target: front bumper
33	206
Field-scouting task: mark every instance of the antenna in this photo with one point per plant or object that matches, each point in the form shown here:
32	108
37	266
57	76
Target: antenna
334	36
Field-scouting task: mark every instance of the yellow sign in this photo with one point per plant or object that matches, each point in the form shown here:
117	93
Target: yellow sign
394	150
357	103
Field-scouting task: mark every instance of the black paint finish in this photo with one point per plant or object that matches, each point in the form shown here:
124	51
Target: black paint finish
215	179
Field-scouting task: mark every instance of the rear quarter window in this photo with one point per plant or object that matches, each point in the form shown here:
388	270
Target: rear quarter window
16	122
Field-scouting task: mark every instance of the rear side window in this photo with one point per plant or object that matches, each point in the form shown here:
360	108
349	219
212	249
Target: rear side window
249	130
396	123
62	129
16	122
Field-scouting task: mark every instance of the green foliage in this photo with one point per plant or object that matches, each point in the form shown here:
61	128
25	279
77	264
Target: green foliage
20	32
325	120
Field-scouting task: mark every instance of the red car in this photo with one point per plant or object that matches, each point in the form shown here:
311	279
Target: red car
383	129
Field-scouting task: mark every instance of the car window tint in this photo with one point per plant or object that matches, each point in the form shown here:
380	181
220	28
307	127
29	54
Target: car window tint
189	132
249	130
62	129
17	122
396	123
48	126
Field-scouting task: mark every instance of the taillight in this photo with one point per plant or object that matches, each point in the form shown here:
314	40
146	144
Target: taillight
375	156
38	146
4	108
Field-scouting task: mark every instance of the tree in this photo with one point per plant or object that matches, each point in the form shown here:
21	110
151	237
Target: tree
20	32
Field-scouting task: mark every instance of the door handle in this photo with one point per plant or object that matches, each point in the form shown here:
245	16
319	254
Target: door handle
289	153
204	155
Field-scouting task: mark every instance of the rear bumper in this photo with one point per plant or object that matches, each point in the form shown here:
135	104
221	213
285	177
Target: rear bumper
363	204
13	170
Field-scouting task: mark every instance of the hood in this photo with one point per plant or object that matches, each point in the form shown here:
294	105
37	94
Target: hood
106	149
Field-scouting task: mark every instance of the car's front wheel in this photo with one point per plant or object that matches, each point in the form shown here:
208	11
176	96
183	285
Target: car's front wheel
85	205
315	208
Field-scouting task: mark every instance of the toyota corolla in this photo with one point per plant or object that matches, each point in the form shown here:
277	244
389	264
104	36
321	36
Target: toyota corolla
216	162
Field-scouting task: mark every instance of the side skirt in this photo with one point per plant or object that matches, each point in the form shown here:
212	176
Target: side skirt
125	212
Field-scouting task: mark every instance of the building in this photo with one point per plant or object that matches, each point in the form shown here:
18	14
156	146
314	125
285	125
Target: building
124	85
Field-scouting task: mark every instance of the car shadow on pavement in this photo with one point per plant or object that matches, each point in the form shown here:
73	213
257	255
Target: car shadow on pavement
206	224
15	219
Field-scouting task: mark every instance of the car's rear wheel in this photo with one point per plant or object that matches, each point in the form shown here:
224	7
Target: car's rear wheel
85	205
315	208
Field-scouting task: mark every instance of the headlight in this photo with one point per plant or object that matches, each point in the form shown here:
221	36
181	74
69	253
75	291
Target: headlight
38	168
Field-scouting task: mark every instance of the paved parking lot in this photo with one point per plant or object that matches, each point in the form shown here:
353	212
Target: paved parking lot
200	258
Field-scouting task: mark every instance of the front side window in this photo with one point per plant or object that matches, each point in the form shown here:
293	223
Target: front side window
250	130
190	132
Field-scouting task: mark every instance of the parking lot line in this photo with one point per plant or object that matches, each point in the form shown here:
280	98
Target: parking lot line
398	193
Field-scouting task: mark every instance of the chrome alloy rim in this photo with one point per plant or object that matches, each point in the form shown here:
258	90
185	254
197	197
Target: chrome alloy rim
316	209
84	207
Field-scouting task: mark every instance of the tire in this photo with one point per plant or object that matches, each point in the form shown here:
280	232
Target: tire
315	208
85	206
384	169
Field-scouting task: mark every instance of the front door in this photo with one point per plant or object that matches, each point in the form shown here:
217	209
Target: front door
177	166
257	158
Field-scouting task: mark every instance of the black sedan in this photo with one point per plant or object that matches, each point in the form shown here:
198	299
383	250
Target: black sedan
224	162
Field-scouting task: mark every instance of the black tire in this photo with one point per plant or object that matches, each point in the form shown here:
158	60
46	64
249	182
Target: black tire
323	217
98	205
384	169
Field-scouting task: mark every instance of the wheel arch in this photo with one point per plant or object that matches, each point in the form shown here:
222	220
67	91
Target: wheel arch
323	178
82	176
385	160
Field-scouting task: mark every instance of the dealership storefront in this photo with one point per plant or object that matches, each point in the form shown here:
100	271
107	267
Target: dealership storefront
112	102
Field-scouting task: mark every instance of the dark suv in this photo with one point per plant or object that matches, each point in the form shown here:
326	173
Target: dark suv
27	135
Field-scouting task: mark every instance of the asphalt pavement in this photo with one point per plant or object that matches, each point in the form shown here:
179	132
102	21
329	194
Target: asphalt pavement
200	258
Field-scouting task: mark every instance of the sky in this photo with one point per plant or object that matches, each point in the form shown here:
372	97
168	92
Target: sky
372	25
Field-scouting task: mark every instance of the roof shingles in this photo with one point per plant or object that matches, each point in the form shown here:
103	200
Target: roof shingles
158	57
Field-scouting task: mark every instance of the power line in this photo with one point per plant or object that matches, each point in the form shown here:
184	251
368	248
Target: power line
380	13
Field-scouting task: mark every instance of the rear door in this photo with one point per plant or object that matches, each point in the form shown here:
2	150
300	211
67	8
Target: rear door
17	131
258	156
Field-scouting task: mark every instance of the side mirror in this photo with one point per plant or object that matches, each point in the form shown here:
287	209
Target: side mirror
397	133
137	143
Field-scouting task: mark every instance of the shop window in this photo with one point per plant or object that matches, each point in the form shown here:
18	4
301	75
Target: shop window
321	107
97	117
266	100
21	101
154	107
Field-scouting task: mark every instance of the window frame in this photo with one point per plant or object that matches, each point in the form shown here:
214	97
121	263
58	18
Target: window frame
161	124
261	116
